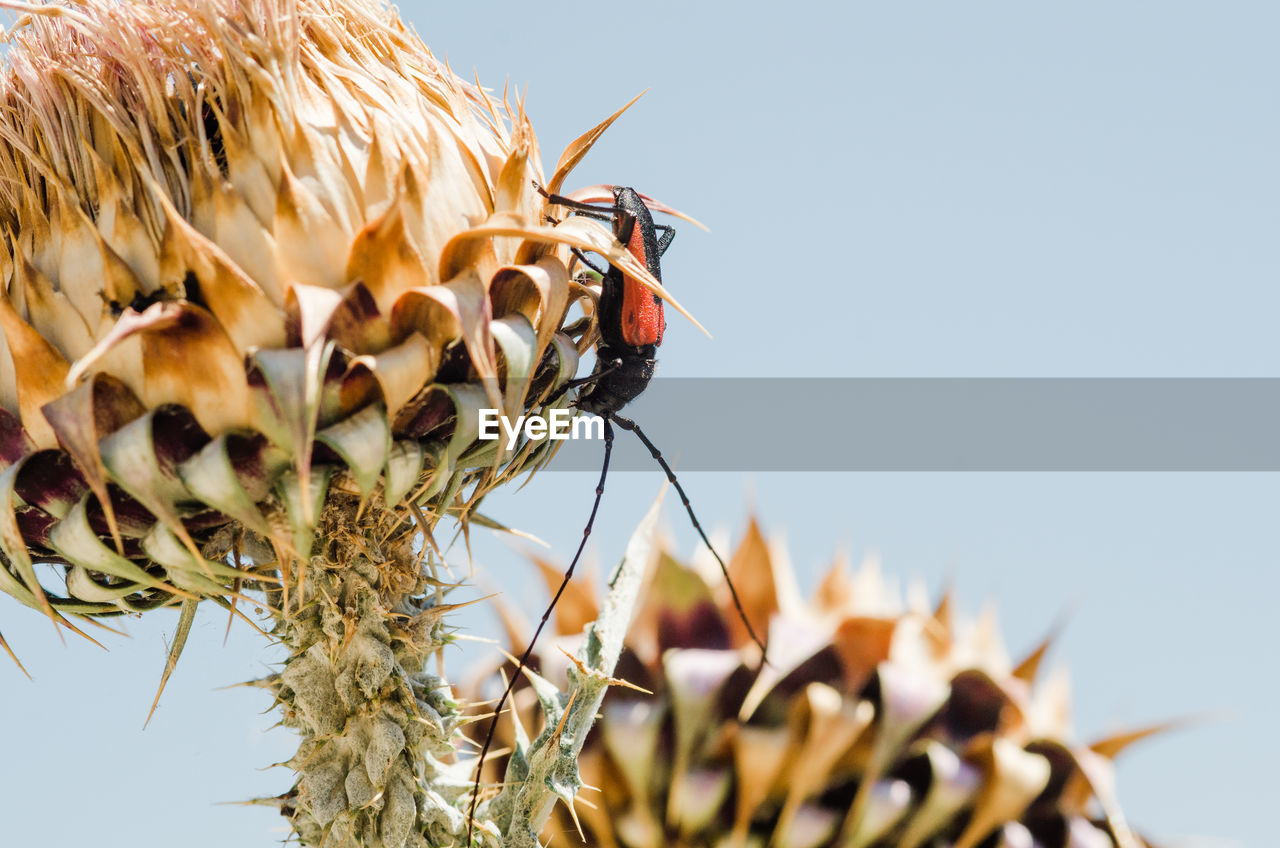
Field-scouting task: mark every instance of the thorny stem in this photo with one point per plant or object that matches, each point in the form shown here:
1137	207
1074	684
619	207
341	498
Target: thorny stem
376	765
548	770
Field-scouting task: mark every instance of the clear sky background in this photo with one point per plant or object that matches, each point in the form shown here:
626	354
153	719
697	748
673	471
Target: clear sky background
894	189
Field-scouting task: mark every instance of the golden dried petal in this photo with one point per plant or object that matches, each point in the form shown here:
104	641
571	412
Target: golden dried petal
90	273
248	244
51	312
539	292
831	724
385	260
40	372
1013	779
760	754
187	359
83	417
581	146
456	309
247	316
470	247
752	572
403	370
311	246
577	606
953	782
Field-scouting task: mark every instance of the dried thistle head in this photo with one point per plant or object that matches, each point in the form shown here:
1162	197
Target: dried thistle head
254	253
873	724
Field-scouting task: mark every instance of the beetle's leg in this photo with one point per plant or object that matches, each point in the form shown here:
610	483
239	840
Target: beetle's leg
595	216
668	236
628	424
524	659
582	381
582	257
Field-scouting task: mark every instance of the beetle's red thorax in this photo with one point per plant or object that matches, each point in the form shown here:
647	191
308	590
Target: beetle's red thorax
642	320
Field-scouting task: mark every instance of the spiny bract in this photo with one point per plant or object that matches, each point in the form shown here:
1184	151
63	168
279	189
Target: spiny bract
871	724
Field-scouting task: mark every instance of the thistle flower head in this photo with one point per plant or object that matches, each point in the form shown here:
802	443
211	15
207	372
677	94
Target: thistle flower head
255	252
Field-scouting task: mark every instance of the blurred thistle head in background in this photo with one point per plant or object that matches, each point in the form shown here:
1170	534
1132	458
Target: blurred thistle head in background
874	722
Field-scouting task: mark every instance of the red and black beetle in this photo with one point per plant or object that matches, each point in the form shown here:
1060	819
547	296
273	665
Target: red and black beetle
630	316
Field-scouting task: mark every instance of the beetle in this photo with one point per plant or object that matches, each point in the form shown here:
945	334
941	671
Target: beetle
631	323
631	318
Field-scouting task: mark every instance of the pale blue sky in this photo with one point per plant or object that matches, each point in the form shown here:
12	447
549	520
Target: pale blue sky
905	189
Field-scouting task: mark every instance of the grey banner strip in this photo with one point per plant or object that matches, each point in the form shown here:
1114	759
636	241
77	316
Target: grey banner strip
812	424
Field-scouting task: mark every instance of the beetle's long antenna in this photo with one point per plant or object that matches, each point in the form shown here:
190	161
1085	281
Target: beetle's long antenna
524	659
628	424
604	213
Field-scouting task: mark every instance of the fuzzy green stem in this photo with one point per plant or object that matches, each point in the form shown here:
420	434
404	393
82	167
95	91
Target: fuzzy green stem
376	765
548	771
